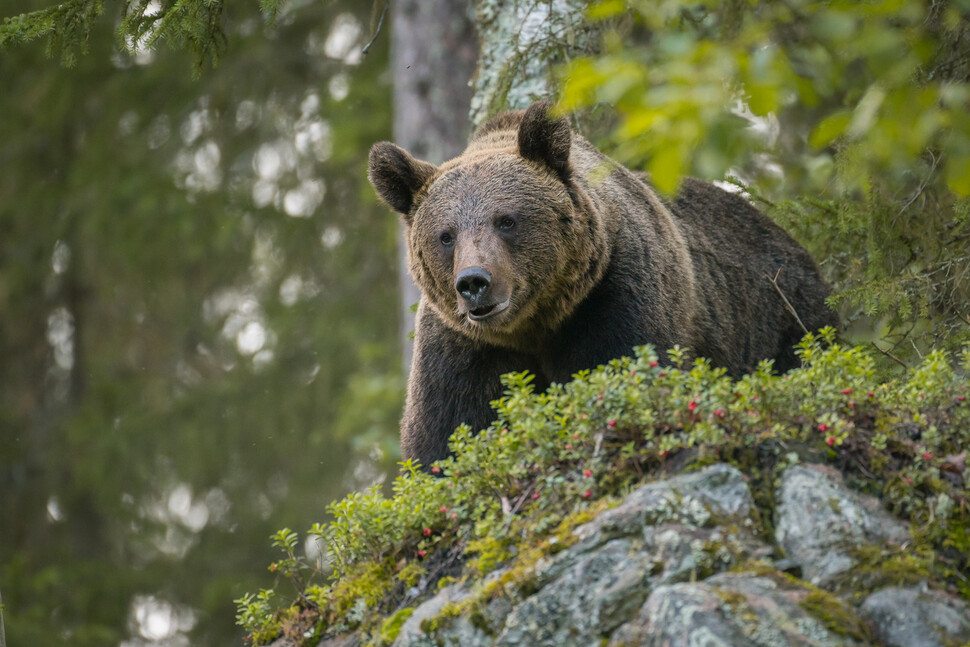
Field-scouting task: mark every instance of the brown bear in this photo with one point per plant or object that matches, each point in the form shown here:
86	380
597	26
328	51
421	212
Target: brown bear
534	251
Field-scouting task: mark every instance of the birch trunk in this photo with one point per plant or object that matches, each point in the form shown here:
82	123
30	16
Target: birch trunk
522	43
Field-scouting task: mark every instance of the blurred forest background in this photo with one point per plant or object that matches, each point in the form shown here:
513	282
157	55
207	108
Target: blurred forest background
200	315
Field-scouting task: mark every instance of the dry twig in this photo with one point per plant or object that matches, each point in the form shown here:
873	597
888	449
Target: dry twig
788	306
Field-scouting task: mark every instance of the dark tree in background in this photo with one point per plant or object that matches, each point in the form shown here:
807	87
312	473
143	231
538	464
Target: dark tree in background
197	343
433	55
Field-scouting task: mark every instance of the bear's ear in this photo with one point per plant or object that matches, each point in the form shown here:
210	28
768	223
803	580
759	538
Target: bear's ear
545	140
396	176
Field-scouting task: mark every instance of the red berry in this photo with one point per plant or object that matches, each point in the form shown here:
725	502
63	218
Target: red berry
692	405
427	532
663	453
846	391
830	441
611	424
720	413
453	515
535	496
907	480
927	455
587	494
422	553
587	473
654	364
575	436
823	427
961	398
569	445
443	508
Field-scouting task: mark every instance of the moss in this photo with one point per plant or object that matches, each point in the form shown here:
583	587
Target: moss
836	617
392	626
877	567
410	574
369	583
446	581
489	551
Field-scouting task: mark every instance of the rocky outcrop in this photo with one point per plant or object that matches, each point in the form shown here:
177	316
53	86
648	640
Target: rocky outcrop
687	561
821	523
731	610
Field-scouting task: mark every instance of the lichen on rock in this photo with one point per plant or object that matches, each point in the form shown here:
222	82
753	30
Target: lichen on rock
728	610
821	522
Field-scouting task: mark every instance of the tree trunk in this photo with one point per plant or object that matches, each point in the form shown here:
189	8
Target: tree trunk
522	42
433	54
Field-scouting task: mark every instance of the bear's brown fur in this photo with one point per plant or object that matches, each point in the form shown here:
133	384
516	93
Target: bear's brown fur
534	251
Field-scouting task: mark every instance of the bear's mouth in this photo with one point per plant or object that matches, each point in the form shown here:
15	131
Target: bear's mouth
484	312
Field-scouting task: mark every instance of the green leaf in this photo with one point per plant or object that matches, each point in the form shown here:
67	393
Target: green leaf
606	9
762	99
666	168
830	128
958	175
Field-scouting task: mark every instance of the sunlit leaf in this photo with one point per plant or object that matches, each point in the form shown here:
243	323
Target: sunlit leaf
958	175
606	9
666	168
830	128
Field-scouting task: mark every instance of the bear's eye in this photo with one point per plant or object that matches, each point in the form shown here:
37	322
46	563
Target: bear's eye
505	223
447	239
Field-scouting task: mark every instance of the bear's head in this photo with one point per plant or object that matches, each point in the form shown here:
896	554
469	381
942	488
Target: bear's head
503	241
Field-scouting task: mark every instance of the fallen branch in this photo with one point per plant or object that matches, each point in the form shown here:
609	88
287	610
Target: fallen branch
889	355
788	306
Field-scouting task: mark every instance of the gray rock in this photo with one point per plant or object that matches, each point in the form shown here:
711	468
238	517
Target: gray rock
599	591
729	610
821	522
716	494
346	640
340	641
917	618
411	634
684	553
461	632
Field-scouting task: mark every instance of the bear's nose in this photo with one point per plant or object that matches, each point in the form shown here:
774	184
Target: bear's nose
473	283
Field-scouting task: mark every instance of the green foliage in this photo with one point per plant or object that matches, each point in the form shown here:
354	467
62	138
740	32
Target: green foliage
192	25
256	615
848	121
887	77
550	457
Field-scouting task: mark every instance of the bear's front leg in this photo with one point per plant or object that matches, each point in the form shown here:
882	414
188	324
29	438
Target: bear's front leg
453	381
